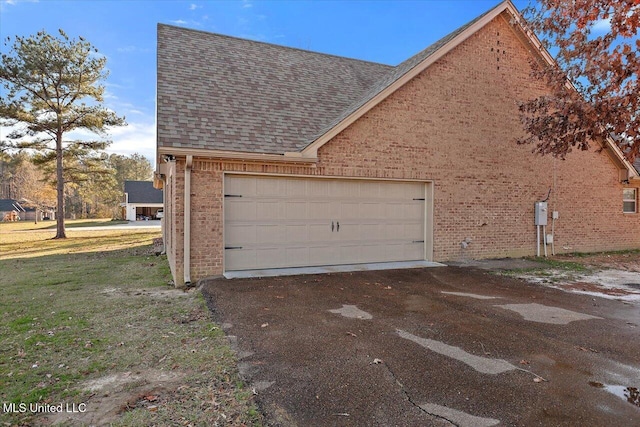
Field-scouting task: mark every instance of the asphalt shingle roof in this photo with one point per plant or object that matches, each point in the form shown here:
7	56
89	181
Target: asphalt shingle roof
224	93
7	205
142	192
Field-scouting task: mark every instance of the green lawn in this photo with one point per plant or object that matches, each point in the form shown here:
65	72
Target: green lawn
6	227
99	305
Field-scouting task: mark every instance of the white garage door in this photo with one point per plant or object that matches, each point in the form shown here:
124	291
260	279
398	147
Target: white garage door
274	222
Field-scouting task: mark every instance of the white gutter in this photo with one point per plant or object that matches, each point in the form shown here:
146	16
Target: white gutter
187	221
293	157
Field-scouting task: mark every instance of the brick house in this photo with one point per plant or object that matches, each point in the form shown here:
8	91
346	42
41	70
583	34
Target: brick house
277	157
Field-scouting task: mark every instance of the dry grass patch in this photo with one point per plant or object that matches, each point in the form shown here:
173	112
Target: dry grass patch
91	320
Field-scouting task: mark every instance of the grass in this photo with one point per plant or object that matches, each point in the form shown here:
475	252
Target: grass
98	304
562	265
6	227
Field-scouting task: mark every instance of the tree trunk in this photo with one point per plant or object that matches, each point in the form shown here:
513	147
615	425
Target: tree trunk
60	231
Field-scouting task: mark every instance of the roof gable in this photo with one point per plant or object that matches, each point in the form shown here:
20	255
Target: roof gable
401	74
398	72
142	192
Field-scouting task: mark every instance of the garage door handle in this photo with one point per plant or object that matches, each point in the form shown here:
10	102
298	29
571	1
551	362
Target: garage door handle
233	247
332	226
338	228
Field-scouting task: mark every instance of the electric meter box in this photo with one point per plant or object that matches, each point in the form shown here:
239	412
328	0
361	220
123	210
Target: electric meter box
541	213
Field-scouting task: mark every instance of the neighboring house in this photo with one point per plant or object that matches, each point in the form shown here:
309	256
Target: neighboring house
277	157
14	210
141	201
11	210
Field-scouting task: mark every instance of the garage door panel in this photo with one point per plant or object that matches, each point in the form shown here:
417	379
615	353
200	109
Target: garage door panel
241	185
319	187
319	210
265	187
296	233
298	255
369	191
286	222
240	210
323	255
265	234
349	210
240	259
237	234
414	251
295	210
374	252
394	211
296	188
267	257
413	210
265	210
413	231
319	232
370	210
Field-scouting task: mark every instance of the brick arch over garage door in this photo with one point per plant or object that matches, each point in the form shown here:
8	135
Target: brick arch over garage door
277	222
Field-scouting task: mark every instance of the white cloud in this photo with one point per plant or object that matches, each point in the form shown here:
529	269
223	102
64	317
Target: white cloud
132	49
15	2
193	6
246	4
109	95
137	137
183	22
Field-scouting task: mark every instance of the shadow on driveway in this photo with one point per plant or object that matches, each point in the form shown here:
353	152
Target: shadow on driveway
424	347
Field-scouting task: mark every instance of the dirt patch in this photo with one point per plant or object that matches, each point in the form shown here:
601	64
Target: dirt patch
114	394
153	293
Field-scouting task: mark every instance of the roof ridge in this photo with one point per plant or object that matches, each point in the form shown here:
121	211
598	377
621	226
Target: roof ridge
210	33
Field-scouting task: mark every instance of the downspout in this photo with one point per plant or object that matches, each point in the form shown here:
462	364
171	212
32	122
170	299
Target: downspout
187	221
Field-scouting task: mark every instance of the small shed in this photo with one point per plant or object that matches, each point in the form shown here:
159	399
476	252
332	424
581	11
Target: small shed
141	201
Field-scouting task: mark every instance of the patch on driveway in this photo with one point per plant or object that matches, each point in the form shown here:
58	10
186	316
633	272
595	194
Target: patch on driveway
611	284
480	364
464	294
459	418
352	312
546	314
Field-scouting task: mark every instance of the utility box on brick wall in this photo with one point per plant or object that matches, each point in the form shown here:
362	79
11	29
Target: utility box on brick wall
541	213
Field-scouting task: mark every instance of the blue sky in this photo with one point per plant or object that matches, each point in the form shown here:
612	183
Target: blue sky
125	32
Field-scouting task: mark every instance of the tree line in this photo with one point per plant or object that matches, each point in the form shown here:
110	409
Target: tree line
94	184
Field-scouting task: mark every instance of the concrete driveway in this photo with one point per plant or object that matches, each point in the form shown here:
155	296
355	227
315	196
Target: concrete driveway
430	347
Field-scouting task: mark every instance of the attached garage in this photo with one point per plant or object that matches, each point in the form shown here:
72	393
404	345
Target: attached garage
273	157
278	222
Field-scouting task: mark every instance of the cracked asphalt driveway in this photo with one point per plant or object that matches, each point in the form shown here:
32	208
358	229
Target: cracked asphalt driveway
430	347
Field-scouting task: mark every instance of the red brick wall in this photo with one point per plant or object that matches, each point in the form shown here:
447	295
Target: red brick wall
455	125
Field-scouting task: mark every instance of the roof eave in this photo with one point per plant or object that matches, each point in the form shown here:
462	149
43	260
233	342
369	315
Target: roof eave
288	157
